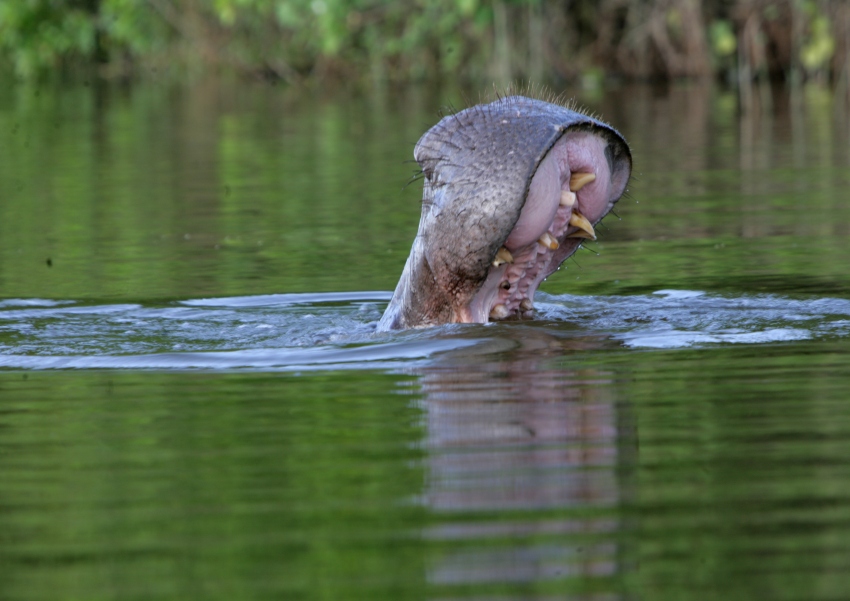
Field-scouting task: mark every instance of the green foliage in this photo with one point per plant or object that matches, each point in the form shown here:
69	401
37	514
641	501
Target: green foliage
819	47
40	35
723	41
36	33
402	40
130	26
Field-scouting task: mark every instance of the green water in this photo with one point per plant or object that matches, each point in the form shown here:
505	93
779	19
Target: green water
217	443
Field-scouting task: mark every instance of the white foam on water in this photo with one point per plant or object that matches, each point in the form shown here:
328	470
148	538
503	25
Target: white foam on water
687	318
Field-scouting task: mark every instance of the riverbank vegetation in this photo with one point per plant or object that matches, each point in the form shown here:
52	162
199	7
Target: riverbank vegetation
304	41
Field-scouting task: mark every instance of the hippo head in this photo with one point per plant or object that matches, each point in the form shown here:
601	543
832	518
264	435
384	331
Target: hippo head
512	188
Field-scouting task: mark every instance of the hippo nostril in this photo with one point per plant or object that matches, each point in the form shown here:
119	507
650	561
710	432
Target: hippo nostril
580	180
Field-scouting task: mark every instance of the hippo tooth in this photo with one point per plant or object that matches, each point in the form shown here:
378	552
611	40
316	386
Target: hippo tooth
585	229
568	198
500	311
549	241
502	257
580	180
526	305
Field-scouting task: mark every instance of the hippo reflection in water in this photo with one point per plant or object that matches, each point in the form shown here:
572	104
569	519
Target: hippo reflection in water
512	188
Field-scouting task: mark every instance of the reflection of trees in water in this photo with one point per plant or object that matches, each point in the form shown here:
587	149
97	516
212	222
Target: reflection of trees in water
517	430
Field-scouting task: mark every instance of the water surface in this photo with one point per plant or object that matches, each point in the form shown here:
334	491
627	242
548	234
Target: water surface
194	402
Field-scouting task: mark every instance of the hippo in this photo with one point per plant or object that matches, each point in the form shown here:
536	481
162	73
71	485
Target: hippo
511	189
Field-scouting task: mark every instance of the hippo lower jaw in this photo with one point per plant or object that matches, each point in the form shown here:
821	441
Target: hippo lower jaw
512	189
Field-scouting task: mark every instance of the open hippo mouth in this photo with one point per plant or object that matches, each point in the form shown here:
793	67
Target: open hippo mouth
512	188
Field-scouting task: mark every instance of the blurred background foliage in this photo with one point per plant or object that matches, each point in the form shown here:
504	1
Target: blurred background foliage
304	41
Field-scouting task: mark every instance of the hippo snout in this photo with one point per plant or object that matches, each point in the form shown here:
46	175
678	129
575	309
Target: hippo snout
511	189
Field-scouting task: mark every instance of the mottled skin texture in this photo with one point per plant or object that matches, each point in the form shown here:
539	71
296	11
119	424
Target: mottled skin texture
478	166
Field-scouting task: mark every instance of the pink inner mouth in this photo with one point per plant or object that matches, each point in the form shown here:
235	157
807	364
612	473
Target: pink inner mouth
509	289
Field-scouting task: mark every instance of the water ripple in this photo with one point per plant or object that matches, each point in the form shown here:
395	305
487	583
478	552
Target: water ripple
685	318
294	331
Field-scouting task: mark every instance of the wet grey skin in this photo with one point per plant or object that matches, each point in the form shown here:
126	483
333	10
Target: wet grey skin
511	189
